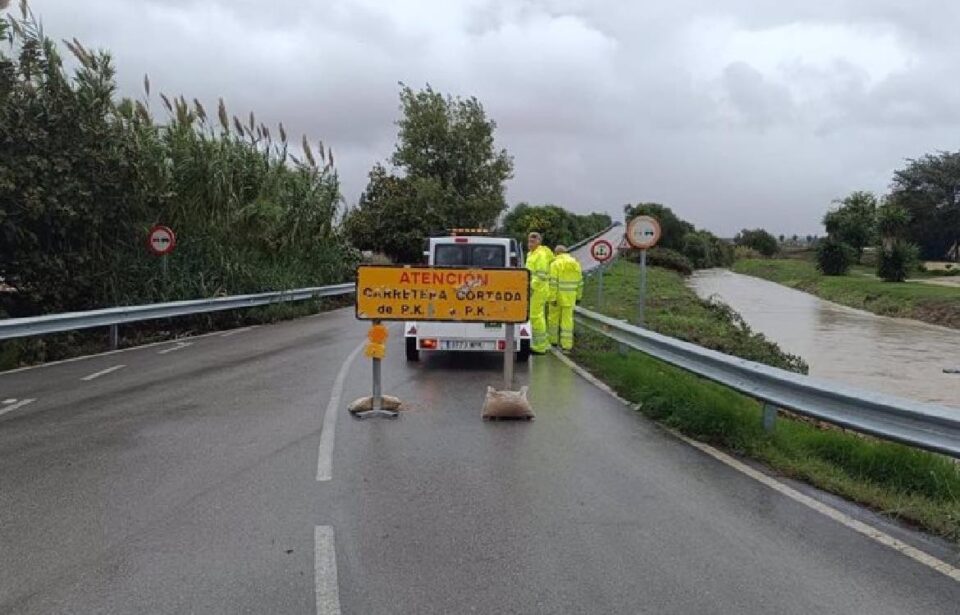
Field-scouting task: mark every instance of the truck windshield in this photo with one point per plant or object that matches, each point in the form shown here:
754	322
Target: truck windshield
469	255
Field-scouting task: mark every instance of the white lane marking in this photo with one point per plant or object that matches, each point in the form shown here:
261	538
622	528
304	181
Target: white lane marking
12	404
235	331
10	401
102	372
844	519
325	571
179	346
329	428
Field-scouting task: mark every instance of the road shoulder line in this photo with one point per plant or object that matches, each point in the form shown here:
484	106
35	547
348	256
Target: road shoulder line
844	519
329	428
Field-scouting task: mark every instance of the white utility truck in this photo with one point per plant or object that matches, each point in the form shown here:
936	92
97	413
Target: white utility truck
468	248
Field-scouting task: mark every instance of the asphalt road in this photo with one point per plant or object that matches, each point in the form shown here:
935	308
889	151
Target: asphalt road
186	482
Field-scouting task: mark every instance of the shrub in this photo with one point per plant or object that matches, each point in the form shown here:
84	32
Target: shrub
758	239
896	261
834	257
664	257
744	252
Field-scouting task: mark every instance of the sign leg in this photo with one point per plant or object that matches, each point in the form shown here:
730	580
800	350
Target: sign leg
600	289
377	398
643	285
508	358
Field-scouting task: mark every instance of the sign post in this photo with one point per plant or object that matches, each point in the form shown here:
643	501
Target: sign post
376	349
643	232
602	251
440	294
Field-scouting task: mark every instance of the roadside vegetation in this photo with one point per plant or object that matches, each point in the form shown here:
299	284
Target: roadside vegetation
860	288
920	488
682	247
85	173
557	225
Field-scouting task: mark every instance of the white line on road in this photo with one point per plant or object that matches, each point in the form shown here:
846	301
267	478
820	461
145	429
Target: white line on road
325	569
235	331
844	519
329	428
102	372
179	346
12	404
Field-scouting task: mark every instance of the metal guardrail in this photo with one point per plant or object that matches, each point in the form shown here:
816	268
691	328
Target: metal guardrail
590	239
927	426
54	323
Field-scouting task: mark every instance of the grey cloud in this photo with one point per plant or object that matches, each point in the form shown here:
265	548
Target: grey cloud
756	101
600	102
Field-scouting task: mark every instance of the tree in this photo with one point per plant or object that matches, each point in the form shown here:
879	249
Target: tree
929	190
834	256
758	239
446	173
897	256
556	224
672	228
853	222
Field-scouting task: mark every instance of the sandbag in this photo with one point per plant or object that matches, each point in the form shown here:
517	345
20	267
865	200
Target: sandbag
364	404
507	404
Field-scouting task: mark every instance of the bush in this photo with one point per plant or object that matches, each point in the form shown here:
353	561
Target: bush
84	174
758	239
664	257
744	252
834	257
896	262
705	250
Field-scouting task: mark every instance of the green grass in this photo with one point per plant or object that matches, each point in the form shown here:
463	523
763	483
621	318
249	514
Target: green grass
861	289
917	487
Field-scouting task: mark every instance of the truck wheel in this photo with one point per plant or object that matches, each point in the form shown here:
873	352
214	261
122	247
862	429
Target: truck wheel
412	353
524	353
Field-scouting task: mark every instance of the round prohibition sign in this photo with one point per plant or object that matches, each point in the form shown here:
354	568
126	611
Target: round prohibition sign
601	250
161	240
643	232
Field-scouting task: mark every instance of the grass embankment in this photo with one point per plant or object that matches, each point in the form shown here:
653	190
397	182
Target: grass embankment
915	486
939	305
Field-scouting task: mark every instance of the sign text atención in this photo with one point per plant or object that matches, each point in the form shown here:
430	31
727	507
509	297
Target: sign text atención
443	294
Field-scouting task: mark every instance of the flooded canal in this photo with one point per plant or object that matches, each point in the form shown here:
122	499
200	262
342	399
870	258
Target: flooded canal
901	357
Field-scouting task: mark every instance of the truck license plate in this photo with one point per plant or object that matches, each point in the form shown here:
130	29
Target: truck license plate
466	345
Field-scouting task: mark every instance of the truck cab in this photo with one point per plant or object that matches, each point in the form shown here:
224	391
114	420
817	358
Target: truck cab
467	248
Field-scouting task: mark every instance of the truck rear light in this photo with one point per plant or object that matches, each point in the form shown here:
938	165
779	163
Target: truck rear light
428	344
501	345
461	240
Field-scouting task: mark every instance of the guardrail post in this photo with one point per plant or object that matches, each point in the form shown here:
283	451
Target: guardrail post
769	417
114	337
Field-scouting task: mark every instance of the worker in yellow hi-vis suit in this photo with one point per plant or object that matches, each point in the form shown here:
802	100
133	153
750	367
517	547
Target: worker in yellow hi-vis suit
539	258
566	290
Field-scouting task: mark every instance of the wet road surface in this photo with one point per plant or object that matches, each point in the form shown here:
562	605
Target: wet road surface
187	482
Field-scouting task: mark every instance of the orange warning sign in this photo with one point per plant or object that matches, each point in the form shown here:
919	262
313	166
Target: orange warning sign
443	294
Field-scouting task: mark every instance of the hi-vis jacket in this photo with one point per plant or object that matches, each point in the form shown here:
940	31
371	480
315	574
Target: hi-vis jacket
566	281
538	262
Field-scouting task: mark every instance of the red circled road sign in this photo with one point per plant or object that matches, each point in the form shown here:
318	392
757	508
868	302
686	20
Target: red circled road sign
161	240
601	250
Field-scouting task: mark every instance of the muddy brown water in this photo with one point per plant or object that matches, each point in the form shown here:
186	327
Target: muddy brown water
891	355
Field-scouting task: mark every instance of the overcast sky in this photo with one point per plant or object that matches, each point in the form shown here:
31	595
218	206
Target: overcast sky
733	112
